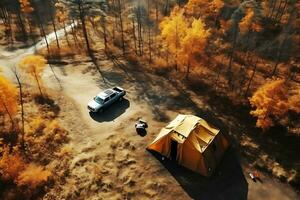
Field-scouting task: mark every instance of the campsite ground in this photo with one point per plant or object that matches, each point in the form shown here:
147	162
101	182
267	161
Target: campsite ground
109	160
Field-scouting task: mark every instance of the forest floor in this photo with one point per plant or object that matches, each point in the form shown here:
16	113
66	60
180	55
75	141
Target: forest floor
109	160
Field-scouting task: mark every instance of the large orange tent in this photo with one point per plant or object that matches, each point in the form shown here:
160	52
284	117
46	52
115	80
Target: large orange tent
191	142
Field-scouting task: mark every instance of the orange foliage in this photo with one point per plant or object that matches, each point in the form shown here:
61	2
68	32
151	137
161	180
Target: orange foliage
160	63
33	176
294	100
248	23
205	7
8	97
25	6
34	65
11	166
270	102
61	12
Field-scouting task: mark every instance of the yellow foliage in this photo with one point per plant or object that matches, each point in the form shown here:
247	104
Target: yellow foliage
194	42
33	176
270	101
173	29
11	166
33	64
8	97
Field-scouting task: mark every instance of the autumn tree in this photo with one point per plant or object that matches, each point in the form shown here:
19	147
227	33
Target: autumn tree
62	17
8	98
206	9
138	16
270	102
27	10
173	30
34	65
11	165
193	44
33	176
82	9
17	76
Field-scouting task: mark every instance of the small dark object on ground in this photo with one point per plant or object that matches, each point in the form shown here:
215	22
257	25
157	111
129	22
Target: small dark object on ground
140	127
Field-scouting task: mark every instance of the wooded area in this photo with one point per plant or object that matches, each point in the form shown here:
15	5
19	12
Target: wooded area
242	52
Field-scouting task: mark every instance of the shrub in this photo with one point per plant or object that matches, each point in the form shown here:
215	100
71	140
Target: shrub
11	165
33	176
272	103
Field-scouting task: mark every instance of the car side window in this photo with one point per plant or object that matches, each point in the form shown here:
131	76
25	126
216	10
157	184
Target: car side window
113	95
106	100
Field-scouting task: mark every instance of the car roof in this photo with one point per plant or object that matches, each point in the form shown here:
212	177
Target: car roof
106	93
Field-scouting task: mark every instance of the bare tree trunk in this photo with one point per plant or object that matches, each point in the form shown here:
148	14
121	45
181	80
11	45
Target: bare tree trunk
43	34
74	33
273	8
278	10
188	70
54	28
121	25
279	52
140	37
251	78
167	7
149	44
134	36
22	26
104	32
176	47
66	33
22	109
282	11
84	30
38	83
8	113
229	70
10	29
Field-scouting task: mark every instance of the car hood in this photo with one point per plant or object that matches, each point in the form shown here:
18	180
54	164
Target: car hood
93	104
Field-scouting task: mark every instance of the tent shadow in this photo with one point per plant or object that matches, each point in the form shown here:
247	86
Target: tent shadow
112	112
227	182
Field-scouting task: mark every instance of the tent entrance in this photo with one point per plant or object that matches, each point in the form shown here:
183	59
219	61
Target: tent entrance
174	145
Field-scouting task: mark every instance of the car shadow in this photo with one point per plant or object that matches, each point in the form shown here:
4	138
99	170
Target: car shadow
227	182
112	112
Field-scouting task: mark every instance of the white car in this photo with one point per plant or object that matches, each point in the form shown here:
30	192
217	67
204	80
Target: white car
106	98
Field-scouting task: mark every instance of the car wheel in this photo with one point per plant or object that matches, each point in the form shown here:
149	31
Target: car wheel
121	98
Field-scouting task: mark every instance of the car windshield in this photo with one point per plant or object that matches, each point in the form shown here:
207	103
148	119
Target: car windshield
98	100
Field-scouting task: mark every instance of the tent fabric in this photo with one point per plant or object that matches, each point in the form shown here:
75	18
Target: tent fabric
200	146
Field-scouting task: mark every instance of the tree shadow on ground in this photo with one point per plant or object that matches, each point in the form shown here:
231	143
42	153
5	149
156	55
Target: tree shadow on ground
227	182
112	112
